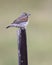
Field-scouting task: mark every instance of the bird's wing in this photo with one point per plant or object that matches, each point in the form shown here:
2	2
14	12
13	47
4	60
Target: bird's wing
20	19
15	22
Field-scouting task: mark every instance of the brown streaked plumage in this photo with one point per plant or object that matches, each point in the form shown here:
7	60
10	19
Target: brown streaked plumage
20	21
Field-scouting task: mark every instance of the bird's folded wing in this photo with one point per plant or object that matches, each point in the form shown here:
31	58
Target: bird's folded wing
20	20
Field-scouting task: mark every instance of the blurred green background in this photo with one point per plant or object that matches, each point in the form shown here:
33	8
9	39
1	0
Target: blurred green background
39	31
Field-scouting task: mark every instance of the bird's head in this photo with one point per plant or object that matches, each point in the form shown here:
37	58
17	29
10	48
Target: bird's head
26	14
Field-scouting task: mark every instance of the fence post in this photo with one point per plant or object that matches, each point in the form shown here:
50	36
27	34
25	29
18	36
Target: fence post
22	47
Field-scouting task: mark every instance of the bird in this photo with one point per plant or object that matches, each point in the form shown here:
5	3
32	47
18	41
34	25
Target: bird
21	21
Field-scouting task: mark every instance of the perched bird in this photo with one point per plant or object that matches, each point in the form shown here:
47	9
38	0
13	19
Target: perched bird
21	21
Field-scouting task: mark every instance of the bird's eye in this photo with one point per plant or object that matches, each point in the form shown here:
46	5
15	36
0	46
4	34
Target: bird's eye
25	14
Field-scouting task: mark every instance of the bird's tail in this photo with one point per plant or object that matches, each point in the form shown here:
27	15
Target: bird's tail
8	26
11	25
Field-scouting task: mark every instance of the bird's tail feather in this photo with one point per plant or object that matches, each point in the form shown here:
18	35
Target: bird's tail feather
11	25
8	26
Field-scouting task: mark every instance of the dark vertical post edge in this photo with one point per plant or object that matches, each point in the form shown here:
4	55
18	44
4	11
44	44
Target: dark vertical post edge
22	47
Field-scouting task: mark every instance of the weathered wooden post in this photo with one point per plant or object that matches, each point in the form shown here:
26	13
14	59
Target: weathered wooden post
22	47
